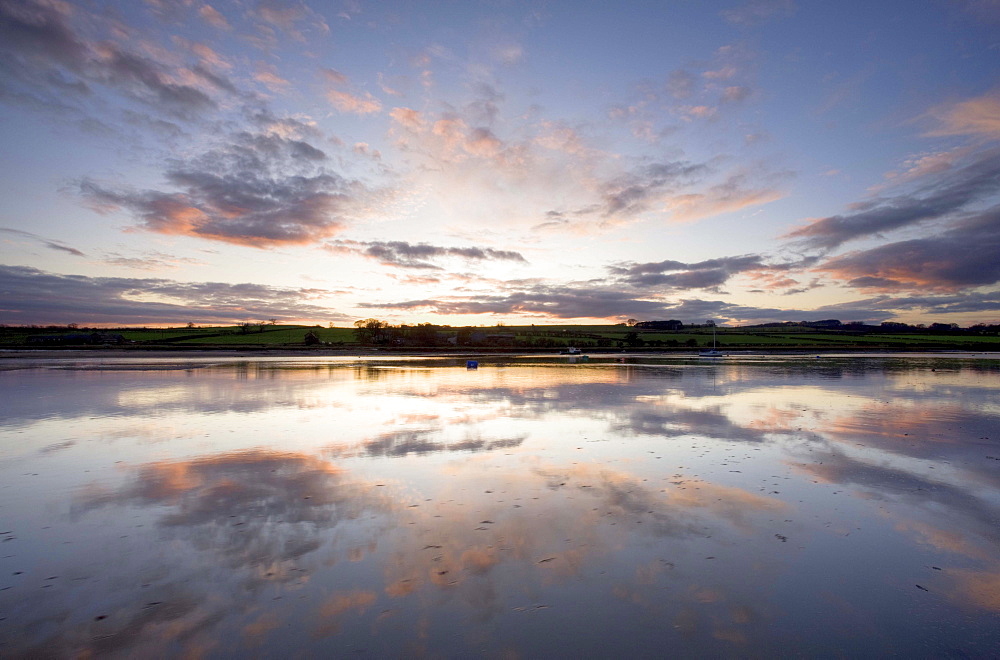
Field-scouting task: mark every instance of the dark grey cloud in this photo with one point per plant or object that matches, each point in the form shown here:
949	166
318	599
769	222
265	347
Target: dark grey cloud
942	304
40	32
419	255
967	255
939	196
557	301
33	296
259	190
423	441
43	59
596	301
52	245
680	275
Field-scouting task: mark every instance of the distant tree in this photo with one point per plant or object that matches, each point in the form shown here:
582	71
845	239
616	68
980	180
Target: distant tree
630	322
424	334
710	323
372	331
273	321
190	324
672	324
633	340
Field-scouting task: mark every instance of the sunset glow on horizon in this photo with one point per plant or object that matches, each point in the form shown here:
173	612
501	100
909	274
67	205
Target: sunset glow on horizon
475	163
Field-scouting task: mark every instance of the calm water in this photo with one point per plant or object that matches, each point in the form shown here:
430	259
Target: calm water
535	507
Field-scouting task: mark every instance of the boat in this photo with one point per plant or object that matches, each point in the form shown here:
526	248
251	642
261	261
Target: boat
714	353
571	350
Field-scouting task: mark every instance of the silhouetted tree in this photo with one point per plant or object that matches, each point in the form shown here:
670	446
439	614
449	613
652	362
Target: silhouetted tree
372	331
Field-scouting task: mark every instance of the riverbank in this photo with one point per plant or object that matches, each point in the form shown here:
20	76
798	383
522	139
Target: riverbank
187	353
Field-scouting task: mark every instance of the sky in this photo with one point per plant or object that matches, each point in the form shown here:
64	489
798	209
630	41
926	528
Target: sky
475	163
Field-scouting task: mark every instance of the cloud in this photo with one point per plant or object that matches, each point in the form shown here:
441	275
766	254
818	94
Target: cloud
459	146
736	93
419	255
540	300
964	256
258	190
35	296
150	261
679	275
979	116
47	61
736	192
612	303
940	194
291	17
681	84
346	101
408	118
267	77
52	245
363	104
212	16
637	191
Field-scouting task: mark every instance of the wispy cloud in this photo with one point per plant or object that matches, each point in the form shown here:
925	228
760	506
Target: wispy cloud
979	116
678	275
939	195
345	100
419	255
51	244
151	260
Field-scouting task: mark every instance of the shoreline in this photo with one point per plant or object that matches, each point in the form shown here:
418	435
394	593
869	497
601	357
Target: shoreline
158	353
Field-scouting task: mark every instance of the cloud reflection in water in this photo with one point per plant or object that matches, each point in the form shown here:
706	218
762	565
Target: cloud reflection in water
408	508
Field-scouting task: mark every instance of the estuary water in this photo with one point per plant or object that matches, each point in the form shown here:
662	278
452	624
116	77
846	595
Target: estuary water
625	506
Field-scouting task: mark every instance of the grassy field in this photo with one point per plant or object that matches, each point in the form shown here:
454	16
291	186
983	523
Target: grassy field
541	337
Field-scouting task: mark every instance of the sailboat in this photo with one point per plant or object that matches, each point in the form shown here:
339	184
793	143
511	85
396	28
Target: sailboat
712	353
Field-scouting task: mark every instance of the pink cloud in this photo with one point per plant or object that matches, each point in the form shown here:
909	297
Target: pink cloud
212	16
271	80
978	116
408	118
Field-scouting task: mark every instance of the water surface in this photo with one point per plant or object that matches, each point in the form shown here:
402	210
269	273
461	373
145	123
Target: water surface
533	507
